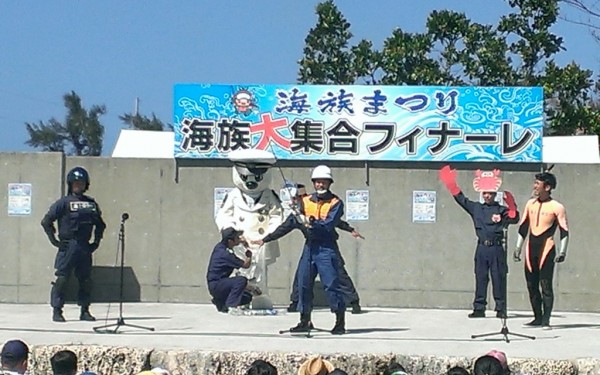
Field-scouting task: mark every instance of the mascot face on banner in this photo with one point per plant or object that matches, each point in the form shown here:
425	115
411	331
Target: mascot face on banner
251	178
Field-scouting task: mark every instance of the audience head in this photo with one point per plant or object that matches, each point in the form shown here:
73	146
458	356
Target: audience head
64	362
394	368
457	370
260	367
493	363
14	356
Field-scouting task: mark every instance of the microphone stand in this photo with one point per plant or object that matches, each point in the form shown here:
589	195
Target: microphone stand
504	330
120	321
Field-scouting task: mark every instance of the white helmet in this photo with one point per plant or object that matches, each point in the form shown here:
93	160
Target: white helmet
322	172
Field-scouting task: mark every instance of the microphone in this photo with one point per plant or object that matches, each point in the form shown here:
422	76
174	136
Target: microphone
125	216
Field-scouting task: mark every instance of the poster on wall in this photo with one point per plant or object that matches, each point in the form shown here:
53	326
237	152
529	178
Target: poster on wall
357	205
423	206
19	199
220	194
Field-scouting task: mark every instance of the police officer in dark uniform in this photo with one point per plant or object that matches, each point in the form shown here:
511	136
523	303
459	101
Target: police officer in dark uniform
489	219
228	292
77	216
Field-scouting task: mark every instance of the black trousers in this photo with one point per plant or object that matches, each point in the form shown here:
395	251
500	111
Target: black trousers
490	260
72	256
345	284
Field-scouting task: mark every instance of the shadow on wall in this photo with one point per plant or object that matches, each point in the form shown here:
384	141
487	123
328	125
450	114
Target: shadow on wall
320	297
106	281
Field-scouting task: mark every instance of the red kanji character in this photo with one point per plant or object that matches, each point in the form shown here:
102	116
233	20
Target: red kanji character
268	128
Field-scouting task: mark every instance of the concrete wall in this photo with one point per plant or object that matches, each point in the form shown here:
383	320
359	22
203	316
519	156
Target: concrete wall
171	232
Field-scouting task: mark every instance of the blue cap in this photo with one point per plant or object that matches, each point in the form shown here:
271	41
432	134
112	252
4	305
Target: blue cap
230	234
15	350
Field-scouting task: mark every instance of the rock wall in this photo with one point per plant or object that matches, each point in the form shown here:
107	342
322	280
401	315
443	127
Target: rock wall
128	361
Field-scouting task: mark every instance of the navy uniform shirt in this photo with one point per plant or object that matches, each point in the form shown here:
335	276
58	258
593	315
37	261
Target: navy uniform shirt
222	263
482	215
77	215
292	222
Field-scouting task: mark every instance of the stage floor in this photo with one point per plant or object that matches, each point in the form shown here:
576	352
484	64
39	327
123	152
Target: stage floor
377	330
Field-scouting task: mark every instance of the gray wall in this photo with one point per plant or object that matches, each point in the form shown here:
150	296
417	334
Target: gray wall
171	232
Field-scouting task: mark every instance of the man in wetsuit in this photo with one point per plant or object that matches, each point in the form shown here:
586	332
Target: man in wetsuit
541	217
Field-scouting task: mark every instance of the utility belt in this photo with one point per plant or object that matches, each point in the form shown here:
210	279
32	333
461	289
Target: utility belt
67	240
490	242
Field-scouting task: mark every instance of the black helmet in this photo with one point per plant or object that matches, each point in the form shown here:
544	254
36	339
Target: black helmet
78	174
547	178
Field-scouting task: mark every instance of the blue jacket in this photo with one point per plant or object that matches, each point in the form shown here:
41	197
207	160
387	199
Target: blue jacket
481	214
77	216
222	263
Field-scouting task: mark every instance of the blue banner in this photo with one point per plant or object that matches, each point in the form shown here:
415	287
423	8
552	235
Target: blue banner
395	123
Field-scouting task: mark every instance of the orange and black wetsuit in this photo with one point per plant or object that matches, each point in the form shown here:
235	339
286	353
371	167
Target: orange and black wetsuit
540	220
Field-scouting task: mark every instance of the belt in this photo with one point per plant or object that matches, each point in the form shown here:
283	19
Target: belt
490	242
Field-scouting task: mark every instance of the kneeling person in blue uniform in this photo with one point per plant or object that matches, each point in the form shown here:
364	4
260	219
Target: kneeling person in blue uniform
228	292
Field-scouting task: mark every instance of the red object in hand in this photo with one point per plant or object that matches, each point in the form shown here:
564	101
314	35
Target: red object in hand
510	203
248	254
448	177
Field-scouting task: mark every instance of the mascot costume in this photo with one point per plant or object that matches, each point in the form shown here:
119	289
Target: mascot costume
256	210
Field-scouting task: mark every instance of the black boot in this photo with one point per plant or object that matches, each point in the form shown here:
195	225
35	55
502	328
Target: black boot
340	323
85	314
220	306
537	318
305	324
293	307
57	315
477	314
534	323
356	309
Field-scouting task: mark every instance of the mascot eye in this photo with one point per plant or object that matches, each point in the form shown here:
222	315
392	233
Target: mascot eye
258	177
244	177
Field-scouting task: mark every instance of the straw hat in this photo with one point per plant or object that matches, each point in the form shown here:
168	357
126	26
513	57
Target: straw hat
316	366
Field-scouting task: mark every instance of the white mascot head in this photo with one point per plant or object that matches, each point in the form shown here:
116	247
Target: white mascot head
252	170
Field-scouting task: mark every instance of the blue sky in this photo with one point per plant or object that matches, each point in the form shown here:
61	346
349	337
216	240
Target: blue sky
110	52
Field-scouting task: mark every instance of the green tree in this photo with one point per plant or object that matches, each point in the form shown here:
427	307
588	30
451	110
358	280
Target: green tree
80	134
141	122
454	50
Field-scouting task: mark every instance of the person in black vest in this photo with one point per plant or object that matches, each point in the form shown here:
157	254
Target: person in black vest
78	216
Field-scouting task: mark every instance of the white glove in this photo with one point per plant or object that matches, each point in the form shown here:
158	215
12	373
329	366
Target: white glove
303	220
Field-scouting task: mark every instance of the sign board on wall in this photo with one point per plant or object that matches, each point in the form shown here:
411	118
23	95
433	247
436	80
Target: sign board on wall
392	123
